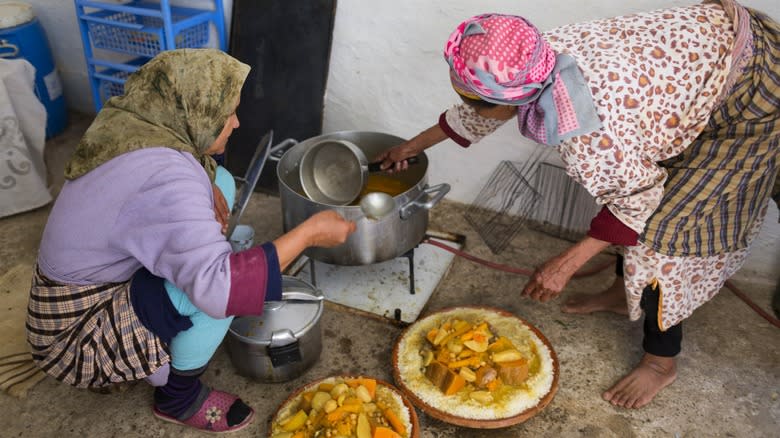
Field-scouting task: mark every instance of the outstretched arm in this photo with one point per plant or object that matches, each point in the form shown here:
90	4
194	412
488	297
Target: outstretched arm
549	279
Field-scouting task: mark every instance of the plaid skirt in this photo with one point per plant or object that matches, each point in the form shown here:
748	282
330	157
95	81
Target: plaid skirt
90	336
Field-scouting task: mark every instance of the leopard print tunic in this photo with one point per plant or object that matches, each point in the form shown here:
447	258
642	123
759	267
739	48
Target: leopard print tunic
655	78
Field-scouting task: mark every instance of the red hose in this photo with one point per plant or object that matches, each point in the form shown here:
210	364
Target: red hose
585	273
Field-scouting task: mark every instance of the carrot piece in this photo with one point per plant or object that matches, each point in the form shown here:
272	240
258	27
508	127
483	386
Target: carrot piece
493	385
432	335
394	421
472	361
384	432
370	384
336	415
299	434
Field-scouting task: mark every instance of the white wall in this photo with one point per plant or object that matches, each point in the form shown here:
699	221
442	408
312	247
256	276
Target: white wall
387	74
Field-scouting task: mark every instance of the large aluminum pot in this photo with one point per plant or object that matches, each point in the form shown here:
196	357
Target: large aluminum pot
281	344
374	241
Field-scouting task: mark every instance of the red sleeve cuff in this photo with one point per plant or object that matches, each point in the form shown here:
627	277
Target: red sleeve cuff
254	275
605	226
450	132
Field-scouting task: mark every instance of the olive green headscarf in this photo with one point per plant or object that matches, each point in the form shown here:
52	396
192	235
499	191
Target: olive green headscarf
181	99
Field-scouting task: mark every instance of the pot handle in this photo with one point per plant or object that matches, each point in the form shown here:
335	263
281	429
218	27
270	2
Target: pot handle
284	348
438	192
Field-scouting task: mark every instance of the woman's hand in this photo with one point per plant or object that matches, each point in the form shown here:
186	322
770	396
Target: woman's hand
221	210
394	159
327	229
549	279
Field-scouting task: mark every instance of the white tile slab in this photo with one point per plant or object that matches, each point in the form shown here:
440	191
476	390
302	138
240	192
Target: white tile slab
381	288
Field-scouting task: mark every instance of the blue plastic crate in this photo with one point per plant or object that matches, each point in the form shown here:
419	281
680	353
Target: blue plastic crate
111	80
141	35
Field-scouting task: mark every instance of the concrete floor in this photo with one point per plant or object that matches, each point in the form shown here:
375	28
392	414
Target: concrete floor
729	371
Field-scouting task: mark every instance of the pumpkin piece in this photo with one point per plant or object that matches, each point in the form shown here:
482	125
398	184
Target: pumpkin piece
394	421
513	373
326	387
454	385
352	407
384	432
295	422
431	335
370	385
299	434
444	378
442	356
336	415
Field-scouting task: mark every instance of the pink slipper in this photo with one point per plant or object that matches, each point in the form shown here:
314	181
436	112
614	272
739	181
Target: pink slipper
212	415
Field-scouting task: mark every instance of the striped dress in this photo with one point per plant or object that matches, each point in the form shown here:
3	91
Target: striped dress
687	153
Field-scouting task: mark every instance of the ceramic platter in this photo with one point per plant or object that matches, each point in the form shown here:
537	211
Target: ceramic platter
414	394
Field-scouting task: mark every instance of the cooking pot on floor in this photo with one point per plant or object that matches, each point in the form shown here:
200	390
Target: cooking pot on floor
375	240
284	342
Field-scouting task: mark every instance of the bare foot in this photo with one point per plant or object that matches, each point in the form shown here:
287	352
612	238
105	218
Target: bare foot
638	387
611	300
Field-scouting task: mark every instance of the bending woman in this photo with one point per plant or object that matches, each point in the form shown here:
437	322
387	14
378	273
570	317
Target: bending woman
135	279
670	119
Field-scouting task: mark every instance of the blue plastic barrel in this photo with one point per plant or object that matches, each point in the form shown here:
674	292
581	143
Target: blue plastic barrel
28	41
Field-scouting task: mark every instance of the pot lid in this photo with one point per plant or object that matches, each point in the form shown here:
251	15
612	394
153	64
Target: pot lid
296	316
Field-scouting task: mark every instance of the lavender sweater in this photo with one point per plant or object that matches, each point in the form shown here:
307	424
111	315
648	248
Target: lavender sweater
153	208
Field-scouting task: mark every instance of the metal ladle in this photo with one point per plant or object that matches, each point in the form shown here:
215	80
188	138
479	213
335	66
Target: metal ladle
376	205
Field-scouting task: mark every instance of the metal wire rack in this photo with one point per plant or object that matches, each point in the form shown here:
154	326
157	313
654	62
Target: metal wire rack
503	205
536	194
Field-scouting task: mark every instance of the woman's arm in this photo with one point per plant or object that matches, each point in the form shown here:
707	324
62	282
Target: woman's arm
464	124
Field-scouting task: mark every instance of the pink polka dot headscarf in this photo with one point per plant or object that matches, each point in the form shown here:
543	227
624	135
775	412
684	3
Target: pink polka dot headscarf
499	58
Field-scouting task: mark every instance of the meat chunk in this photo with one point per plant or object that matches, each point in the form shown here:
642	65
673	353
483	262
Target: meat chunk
513	373
485	375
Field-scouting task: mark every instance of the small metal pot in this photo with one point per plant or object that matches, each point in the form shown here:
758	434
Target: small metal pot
284	342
